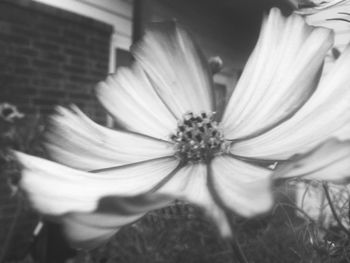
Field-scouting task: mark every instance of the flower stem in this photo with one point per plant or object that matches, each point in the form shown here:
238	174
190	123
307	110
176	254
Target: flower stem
236	248
9	234
234	243
335	215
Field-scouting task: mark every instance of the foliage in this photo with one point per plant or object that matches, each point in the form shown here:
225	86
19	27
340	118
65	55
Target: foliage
17	220
179	233
182	233
18	132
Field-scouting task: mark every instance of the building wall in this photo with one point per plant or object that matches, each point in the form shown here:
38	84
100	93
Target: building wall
117	13
50	56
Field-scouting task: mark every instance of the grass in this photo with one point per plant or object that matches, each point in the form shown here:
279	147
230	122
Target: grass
182	233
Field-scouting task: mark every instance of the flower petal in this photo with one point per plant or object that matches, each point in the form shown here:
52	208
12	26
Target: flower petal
280	76
176	68
88	230
130	98
329	161
326	114
56	189
239	186
76	141
190	184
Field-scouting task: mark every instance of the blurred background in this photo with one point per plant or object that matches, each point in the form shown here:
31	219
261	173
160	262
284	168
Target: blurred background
54	52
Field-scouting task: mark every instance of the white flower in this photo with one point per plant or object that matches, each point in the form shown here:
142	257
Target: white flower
309	6
172	147
333	14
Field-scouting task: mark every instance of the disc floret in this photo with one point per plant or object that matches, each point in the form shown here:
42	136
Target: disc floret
198	138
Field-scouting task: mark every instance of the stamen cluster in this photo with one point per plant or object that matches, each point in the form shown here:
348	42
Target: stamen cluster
197	138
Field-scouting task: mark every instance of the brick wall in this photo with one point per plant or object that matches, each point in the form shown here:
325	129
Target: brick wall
49	56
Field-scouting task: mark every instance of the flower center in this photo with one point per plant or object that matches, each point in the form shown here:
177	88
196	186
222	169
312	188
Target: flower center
197	138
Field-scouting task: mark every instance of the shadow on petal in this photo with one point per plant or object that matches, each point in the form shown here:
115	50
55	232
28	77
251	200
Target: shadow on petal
329	161
89	230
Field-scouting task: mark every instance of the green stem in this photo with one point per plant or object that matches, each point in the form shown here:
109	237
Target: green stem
236	248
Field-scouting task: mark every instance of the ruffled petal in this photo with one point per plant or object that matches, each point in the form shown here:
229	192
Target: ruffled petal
176	68
190	184
56	189
240	187
280	76
76	141
329	161
325	115
130	98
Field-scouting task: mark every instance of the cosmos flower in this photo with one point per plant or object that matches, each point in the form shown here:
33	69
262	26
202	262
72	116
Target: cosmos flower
333	14
172	145
314	5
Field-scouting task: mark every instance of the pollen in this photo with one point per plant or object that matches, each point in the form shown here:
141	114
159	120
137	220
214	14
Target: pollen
198	138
